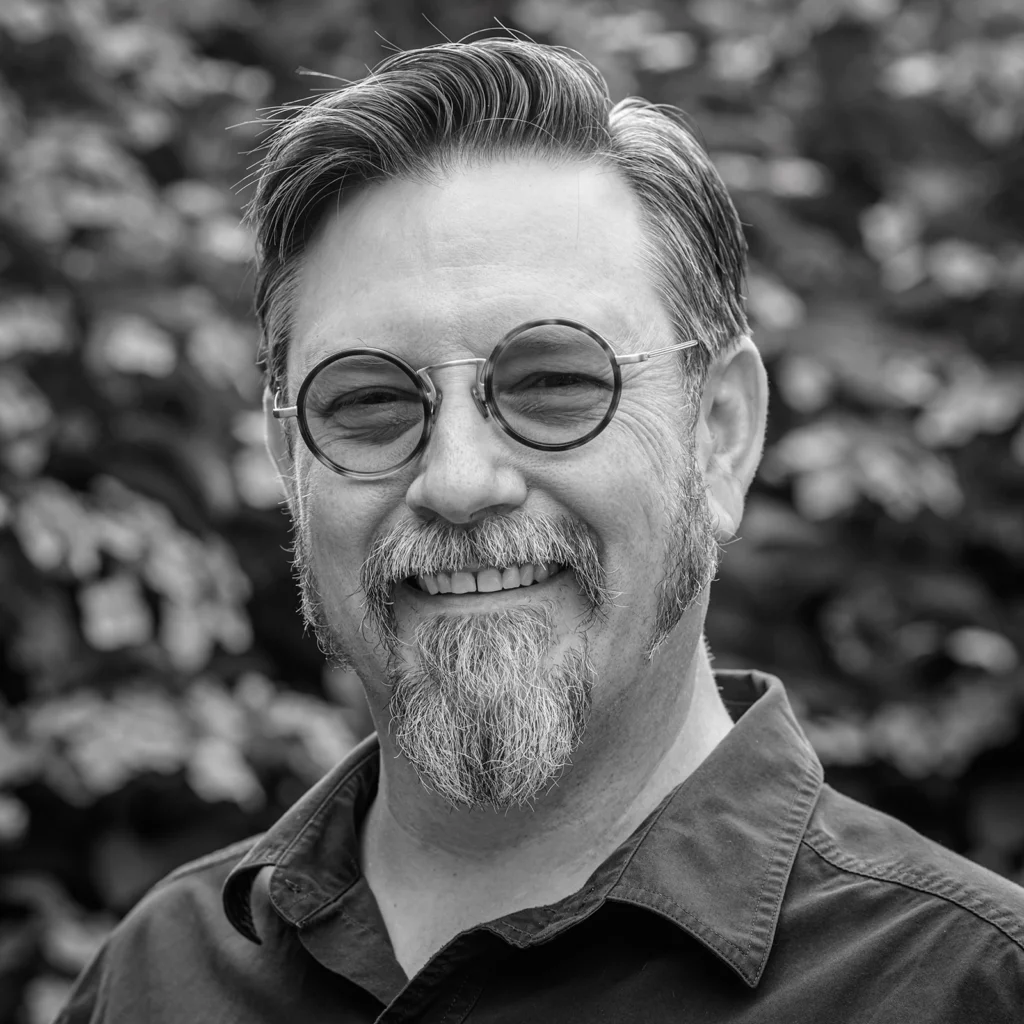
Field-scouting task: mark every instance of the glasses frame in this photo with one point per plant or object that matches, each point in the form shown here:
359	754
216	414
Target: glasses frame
482	392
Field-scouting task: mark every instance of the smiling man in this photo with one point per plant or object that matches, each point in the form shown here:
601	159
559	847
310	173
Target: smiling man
512	395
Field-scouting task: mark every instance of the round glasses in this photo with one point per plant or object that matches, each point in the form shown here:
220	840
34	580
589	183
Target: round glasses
552	385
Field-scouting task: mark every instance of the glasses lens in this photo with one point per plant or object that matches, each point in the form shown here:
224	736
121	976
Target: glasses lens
364	413
553	384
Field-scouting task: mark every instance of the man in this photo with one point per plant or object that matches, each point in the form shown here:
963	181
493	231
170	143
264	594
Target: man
512	395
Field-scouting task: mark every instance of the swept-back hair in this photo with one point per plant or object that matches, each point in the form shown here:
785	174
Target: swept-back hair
431	110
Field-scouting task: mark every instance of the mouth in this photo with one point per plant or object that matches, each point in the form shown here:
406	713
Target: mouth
485	579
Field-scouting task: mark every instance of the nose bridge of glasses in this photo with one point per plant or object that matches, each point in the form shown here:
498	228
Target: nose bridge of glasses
477	389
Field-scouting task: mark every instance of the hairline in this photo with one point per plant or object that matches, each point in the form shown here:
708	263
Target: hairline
692	243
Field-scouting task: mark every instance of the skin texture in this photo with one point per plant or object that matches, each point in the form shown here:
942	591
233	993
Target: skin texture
441	270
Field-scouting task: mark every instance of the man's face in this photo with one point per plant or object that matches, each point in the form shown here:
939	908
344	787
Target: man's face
490	694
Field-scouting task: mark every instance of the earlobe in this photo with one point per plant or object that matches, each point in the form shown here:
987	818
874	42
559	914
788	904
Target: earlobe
734	411
278	446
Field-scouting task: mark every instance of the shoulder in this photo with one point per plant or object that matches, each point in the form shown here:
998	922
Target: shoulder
190	896
881	915
174	931
210	869
870	888
187	902
861	842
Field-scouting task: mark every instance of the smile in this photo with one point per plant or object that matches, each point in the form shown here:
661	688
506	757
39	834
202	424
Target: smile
486	580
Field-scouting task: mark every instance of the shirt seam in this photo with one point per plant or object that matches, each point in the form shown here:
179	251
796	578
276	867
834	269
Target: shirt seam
877	873
455	998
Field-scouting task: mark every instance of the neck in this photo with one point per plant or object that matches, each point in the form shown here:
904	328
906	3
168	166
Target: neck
418	851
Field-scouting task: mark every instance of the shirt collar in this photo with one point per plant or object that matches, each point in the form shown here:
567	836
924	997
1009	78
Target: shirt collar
718	856
714	857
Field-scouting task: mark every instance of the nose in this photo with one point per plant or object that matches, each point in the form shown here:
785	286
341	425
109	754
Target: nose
465	473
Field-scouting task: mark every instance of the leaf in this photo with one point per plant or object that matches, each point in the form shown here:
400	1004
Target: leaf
72	940
321	733
185	635
24	409
33	324
224	352
257	478
772	304
982	648
835	462
976	401
56	531
115	613
217	771
960	269
14	819
45	997
126	343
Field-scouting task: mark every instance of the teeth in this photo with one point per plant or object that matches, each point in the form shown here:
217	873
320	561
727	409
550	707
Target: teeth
486	580
463	583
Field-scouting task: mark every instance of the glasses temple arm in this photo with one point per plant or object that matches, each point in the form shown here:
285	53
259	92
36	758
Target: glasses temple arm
283	412
642	357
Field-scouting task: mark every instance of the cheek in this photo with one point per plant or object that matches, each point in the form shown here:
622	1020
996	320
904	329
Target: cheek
649	453
620	490
651	449
338	521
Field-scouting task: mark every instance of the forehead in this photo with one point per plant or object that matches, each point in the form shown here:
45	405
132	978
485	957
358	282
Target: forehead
442	269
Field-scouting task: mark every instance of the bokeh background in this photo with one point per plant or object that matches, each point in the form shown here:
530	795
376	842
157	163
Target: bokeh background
159	698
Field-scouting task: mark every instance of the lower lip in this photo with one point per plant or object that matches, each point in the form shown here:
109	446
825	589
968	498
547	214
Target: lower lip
476	597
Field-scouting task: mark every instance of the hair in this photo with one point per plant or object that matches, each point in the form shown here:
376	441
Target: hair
428	111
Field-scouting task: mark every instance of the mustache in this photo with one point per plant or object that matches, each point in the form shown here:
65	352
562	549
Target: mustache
426	548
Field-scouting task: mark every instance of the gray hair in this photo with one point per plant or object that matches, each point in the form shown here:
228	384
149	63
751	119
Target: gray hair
422	111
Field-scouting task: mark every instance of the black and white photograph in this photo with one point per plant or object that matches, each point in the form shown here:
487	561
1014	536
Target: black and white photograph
511	511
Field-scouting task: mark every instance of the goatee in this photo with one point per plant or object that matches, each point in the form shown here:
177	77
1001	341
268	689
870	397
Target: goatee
480	715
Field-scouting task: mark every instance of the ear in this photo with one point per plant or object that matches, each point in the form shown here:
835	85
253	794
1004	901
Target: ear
733	413
279	447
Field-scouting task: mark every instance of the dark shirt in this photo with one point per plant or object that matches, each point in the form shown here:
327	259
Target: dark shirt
753	893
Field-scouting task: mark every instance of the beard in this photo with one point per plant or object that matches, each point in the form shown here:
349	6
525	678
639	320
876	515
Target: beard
480	716
692	555
478	711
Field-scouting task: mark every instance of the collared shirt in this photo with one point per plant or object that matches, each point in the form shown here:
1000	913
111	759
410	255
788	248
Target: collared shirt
753	893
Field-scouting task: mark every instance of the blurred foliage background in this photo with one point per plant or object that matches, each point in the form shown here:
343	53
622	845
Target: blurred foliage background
159	698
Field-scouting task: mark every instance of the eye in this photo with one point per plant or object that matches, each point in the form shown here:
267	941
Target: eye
367	399
370	414
543	379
